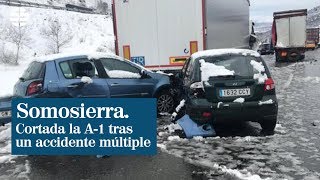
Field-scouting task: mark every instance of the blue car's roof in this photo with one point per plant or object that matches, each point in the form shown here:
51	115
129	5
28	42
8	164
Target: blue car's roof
64	57
95	55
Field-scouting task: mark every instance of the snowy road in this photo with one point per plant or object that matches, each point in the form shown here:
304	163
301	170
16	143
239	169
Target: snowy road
239	153
292	153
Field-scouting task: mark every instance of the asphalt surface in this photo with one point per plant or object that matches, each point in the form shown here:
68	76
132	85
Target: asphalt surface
239	151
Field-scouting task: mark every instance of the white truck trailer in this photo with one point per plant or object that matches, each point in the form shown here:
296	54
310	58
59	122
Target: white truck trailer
162	34
289	34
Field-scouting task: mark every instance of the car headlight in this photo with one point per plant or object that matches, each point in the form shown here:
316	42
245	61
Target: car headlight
5	114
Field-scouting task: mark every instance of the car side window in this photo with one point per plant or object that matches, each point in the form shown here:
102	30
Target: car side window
76	69
118	69
34	71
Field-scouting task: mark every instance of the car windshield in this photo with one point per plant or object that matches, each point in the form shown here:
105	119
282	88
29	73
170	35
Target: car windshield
239	64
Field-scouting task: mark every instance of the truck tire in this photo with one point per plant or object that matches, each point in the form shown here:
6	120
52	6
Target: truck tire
292	57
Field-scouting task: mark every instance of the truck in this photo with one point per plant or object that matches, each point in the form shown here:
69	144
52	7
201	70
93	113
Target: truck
163	34
289	35
312	38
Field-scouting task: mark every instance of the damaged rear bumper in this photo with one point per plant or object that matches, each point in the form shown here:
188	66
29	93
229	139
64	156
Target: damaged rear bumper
255	111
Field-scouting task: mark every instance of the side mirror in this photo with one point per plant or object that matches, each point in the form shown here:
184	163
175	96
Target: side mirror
143	74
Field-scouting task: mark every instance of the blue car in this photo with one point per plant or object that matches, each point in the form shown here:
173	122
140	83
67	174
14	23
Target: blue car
88	76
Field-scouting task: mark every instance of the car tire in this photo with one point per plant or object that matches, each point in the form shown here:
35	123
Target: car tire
165	102
268	126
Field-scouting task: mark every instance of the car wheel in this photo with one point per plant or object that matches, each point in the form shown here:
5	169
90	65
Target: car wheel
165	102
268	126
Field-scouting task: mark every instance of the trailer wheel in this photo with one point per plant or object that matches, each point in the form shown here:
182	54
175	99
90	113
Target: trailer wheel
165	102
294	55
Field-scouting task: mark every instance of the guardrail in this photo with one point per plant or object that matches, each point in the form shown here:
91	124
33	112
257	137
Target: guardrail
19	3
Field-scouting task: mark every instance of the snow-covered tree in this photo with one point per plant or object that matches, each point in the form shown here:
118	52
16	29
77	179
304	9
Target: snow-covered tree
102	7
18	35
57	35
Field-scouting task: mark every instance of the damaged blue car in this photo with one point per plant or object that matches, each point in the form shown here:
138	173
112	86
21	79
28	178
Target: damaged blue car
90	76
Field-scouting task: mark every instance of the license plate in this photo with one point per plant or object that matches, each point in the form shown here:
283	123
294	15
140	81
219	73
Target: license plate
5	114
235	92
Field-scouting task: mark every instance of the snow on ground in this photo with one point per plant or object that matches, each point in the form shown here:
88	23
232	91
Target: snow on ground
88	3
5	144
90	33
292	153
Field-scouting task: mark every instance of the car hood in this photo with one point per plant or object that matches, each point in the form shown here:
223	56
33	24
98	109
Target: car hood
158	76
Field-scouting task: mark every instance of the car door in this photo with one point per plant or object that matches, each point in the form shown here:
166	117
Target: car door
126	80
80	78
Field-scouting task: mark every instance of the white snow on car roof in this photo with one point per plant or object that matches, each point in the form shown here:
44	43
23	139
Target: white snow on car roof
218	52
89	55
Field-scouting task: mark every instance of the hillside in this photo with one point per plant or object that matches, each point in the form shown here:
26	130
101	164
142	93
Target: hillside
86	3
314	17
88	33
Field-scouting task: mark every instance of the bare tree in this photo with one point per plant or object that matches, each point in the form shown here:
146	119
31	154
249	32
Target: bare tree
57	35
18	35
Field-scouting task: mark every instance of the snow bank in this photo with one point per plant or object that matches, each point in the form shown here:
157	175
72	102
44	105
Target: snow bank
211	70
312	79
173	127
218	52
91	33
5	144
9	75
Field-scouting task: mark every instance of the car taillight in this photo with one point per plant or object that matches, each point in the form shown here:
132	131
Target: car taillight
34	88
207	114
269	84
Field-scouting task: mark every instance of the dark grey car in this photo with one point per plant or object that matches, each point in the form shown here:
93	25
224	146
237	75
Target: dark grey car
246	94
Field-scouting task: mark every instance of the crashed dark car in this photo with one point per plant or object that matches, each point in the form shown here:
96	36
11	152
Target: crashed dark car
266	49
229	85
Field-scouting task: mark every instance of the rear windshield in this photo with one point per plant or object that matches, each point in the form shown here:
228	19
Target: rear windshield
239	64
34	71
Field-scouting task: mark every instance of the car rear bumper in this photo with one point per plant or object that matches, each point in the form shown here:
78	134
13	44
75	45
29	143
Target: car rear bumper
5	105
230	111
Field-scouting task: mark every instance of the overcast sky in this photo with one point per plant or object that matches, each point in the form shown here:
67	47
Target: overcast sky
262	10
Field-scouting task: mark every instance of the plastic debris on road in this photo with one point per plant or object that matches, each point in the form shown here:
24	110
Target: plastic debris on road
192	129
